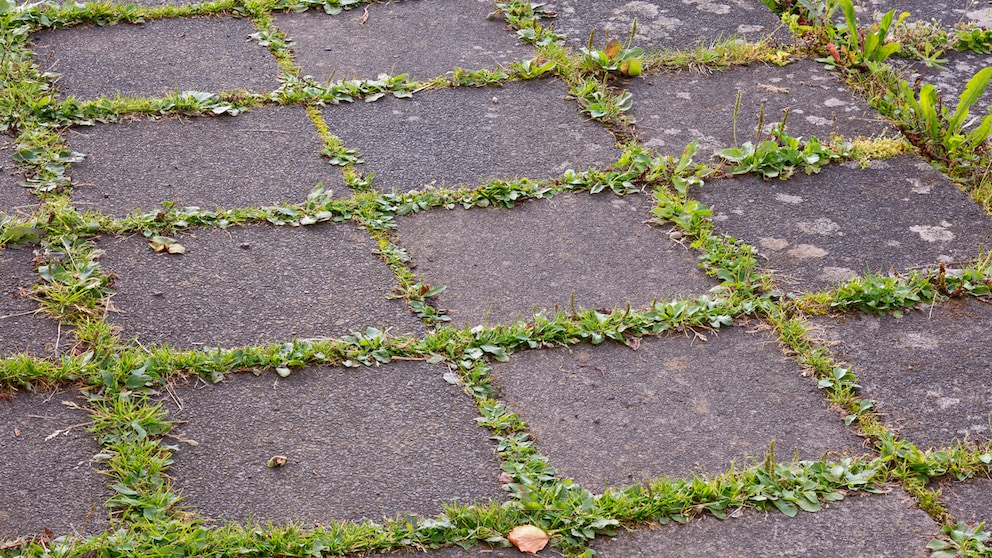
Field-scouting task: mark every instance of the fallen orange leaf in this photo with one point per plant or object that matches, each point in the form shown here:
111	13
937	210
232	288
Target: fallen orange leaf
528	538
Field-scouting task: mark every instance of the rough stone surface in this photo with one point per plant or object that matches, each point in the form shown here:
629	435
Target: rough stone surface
858	527
500	265
156	58
661	23
360	443
421	39
23	328
817	231
928	371
672	110
14	198
252	285
267	156
969	501
610	415
47	479
468	136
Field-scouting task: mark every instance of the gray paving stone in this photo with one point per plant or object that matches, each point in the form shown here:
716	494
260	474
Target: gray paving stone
421	39
467	136
23	328
947	12
14	198
969	501
610	415
266	156
156	58
858	527
360	443
672	110
927	372
47	479
500	265
663	23
254	284
817	231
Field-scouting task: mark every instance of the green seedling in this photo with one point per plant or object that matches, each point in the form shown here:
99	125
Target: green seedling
961	542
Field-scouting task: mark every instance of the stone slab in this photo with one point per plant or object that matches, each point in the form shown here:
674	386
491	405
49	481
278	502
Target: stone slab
263	157
156	58
14	198
23	327
360	443
47	479
422	39
928	372
662	23
950	81
817	231
500	265
947	12
254	284
610	415
858	527
969	501
468	136
672	110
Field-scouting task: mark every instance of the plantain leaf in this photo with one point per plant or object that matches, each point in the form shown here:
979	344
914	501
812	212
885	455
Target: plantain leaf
972	92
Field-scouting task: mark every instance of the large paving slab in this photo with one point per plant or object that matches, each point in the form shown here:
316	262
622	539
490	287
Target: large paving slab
468	136
360	443
421	39
674	109
500	265
675	406
858	527
254	284
662	23
266	156
47	479
23	327
14	198
928	371
156	58
947	12
816	231
969	501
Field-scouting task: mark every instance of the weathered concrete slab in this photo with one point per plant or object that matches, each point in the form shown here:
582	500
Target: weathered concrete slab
950	81
947	12
23	328
47	479
360	443
14	198
663	24
252	285
672	110
928	372
859	526
421	39
817	231
969	501
501	265
156	58
610	415
467	136
267	156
